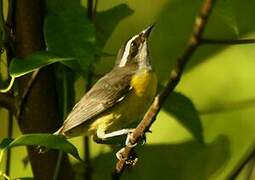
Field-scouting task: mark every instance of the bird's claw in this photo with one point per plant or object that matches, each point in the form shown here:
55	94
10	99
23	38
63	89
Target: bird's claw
120	156
129	141
144	139
130	138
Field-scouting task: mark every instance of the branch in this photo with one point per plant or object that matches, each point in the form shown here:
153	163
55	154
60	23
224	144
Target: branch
40	112
25	93
95	8
228	41
8	102
90	9
10	135
88	167
91	12
193	43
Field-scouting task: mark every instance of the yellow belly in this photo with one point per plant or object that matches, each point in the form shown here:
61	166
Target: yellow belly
132	108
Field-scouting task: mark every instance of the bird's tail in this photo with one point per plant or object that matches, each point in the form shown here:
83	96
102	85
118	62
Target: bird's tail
59	131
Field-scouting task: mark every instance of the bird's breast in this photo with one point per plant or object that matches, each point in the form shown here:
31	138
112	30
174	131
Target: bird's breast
144	82
133	106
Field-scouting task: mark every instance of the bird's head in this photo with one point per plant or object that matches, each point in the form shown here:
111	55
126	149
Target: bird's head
135	51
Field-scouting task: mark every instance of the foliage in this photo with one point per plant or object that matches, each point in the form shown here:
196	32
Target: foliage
205	131
44	141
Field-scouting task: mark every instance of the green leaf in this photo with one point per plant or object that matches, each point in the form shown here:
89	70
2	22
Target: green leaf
108	20
224	9
39	59
48	141
25	178
69	33
184	111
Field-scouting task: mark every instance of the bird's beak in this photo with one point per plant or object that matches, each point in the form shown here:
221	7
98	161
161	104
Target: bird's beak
147	31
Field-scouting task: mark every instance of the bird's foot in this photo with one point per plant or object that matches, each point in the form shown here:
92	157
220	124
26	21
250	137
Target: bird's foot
129	140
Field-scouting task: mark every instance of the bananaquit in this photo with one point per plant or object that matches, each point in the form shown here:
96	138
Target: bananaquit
117	100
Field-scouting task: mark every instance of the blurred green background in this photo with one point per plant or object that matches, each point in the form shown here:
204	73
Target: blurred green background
219	80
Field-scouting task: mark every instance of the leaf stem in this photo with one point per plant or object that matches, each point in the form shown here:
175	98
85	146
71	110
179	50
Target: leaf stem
4	175
1	158
10	132
8	88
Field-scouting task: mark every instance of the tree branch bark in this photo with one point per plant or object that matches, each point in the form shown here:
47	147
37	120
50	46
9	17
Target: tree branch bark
90	9
88	167
175	76
39	112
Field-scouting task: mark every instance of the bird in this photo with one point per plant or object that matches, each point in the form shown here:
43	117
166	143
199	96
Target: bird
119	99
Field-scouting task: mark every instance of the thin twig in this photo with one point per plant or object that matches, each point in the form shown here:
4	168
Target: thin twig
5	176
10	132
149	117
227	41
58	165
91	12
242	165
251	169
26	92
9	20
9	44
95	9
90	8
2	24
9	47
88	167
6	100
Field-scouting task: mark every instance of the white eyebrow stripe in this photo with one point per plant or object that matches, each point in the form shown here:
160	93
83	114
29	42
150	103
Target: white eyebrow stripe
124	58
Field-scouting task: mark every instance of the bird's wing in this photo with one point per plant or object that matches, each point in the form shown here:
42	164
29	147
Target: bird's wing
109	90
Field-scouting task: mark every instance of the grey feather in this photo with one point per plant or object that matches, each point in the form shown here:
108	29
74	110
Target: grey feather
109	90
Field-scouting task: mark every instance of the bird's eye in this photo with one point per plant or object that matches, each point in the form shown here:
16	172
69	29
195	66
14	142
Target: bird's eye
133	48
133	44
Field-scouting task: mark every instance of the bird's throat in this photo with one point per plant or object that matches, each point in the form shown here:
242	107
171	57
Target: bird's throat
141	81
